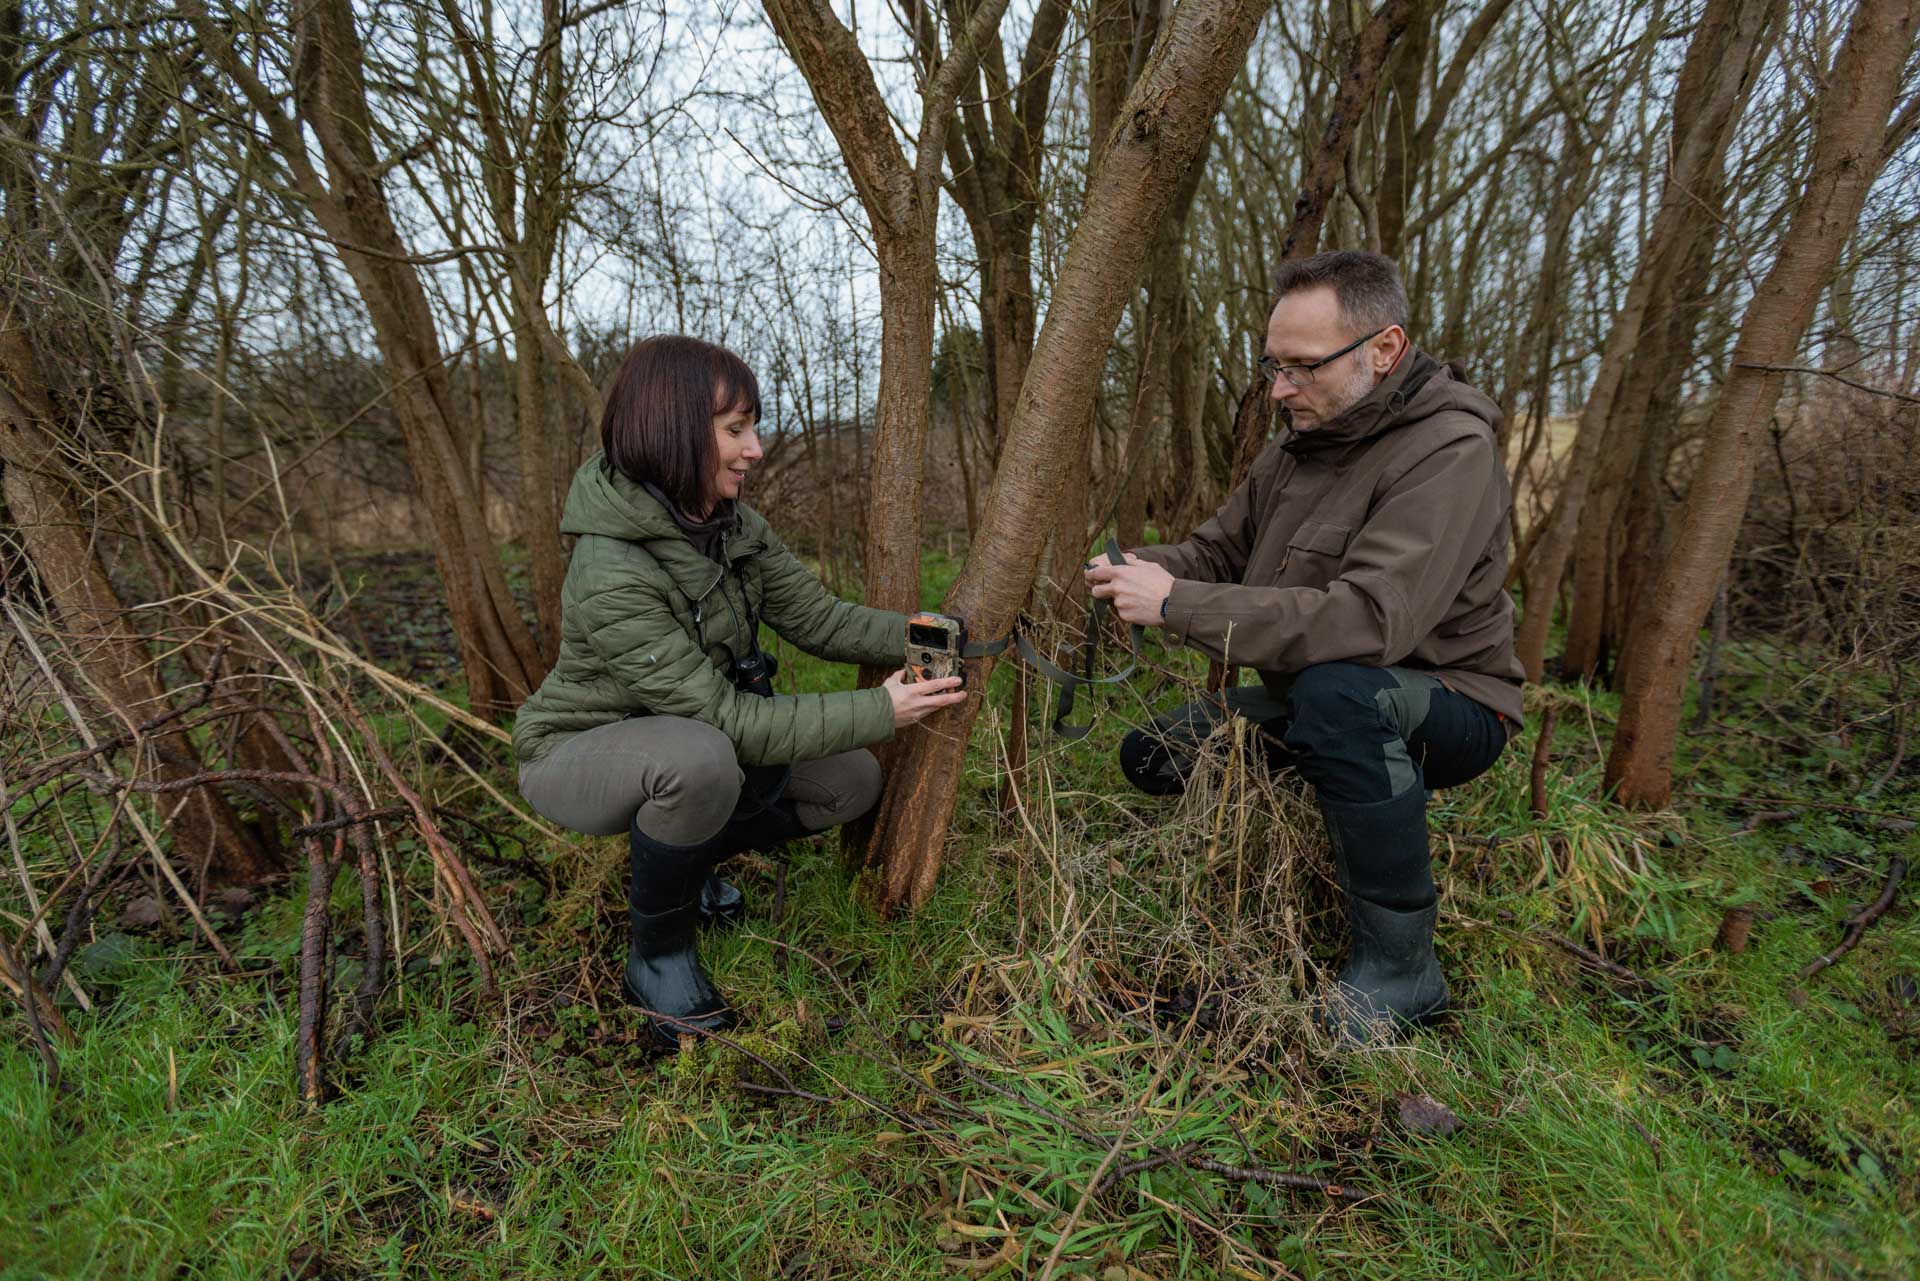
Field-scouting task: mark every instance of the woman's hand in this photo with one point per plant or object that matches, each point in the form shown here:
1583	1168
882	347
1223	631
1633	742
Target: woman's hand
915	702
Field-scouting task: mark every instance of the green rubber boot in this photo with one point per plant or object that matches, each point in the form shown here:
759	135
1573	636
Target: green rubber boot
1392	979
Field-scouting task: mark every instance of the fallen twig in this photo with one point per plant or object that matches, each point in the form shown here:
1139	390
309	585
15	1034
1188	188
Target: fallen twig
1760	818
1586	956
1278	1178
1858	923
1594	961
348	820
1542	745
1154	1162
781	1092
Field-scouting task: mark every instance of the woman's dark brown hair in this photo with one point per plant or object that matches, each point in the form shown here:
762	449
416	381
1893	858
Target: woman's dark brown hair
658	428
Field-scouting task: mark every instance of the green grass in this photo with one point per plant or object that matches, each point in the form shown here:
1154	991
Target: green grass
1135	973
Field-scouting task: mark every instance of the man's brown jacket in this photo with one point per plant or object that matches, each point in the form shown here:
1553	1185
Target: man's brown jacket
1379	538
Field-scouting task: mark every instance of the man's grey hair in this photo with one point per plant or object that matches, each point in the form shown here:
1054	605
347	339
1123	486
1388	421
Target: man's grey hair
1367	285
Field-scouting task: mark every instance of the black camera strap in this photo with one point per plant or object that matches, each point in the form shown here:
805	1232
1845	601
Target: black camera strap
761	785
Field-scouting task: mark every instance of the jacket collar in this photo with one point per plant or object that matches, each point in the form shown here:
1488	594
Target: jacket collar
624	509
1380	410
693	573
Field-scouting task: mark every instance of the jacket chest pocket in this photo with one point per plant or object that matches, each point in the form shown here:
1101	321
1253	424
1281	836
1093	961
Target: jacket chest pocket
1314	551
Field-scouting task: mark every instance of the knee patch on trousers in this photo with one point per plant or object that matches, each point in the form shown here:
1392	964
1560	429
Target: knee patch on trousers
1151	765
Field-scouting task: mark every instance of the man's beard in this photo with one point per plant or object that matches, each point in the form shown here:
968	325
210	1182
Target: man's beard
1350	393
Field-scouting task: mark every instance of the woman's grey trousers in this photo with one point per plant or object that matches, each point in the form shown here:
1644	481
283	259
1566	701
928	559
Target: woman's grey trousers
681	779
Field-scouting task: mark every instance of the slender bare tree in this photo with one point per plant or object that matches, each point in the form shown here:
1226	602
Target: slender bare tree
1164	123
1858	96
343	187
902	202
1712	85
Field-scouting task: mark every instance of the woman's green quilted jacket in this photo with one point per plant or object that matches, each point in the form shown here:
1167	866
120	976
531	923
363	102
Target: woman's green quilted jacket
637	599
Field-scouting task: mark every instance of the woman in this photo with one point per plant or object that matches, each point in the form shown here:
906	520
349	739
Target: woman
659	718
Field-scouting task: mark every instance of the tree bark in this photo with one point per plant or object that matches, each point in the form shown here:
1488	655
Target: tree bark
1712	81
497	650
1162	126
113	659
1859	94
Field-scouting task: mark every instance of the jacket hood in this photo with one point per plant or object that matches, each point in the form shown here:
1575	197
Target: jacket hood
603	501
1417	389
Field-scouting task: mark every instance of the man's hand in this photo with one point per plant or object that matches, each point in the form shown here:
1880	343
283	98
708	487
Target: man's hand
1138	589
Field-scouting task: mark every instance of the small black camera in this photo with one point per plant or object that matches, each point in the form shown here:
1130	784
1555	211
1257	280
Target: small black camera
753	673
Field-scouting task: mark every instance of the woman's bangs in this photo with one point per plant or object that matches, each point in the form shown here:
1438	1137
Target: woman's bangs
734	386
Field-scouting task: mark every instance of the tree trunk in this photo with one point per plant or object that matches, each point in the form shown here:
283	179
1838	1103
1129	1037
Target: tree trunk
497	650
994	157
1706	102
1165	122
1715	85
1400	121
114	661
902	203
1113	36
529	196
1165	312
1328	165
539	503
1848	153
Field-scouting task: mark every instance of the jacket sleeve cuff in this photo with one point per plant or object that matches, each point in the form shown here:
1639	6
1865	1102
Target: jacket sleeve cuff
1165	555
1207	617
1179	612
873	716
886	641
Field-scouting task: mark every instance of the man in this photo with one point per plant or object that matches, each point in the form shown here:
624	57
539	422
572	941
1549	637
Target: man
1359	570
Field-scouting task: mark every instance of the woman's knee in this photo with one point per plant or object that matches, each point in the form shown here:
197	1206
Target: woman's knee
681	772
863	784
836	790
695	784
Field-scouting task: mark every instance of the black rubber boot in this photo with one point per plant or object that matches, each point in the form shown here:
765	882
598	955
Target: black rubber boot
765	831
1153	765
722	905
663	975
1391	977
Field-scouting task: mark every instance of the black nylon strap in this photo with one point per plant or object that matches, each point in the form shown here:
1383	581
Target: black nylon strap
1068	681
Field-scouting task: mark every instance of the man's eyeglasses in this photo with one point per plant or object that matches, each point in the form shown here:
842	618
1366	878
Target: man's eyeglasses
1302	375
